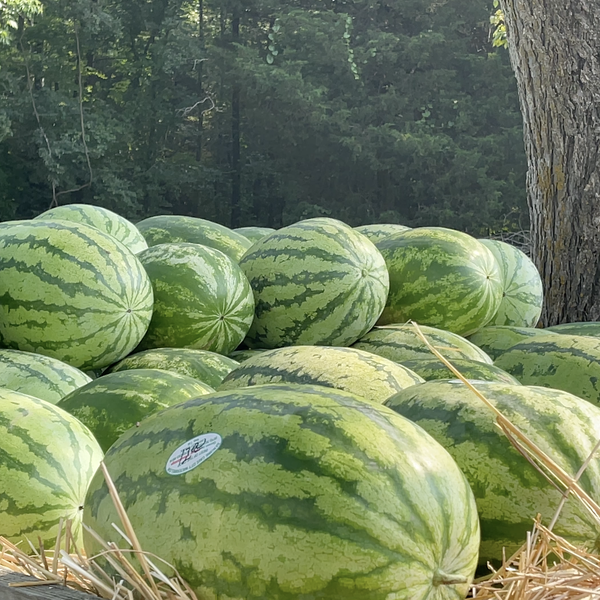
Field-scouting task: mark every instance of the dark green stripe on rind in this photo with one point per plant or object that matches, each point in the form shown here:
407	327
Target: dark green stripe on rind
313	494
355	371
508	489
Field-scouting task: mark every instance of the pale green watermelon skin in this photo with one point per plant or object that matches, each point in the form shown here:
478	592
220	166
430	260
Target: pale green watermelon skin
377	231
72	292
47	459
564	362
591	328
242	355
442	278
254	233
202	299
37	375
523	292
312	493
494	340
114	403
362	373
203	365
169	229
508	489
316	282
401	342
100	218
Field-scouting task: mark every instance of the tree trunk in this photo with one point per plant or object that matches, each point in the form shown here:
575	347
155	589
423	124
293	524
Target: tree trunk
554	53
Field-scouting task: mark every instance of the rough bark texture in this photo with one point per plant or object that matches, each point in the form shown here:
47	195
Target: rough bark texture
555	52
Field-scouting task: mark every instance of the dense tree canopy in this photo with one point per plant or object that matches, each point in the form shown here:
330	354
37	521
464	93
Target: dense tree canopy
263	112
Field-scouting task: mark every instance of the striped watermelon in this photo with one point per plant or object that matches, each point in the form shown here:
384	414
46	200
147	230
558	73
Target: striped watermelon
203	365
361	373
316	282
400	342
47	459
591	328
167	229
377	231
440	277
289	492
432	368
508	489
523	293
497	339
254	233
38	375
202	299
242	355
565	362
70	291
100	218
114	403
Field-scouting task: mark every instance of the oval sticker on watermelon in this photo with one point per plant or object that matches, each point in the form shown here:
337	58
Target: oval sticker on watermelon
192	453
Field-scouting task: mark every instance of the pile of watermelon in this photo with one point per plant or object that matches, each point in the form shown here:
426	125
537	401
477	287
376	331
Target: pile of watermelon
276	425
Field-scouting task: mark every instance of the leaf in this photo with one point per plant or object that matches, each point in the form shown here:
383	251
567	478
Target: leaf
276	27
271	47
270	59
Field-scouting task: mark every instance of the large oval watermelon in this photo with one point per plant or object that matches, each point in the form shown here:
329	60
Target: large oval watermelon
100	218
38	375
47	459
440	277
201	298
72	292
254	233
509	491
168	229
317	282
377	231
290	492
362	373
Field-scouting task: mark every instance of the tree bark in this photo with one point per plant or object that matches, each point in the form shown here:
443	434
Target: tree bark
554	53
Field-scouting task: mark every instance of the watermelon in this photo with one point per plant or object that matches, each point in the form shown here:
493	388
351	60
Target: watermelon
167	229
591	328
508	489
401	342
523	293
112	404
361	373
72	292
254	233
242	355
440	277
202	299
377	231
565	362
432	368
293	492
203	365
47	459
494	340
38	375
103	219
316	282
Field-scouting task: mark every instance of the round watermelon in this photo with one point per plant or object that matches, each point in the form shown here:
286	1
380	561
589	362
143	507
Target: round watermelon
291	492
47	459
38	375
112	404
591	328
100	218
316	282
254	233
202	299
523	293
510	492
72	292
377	231
494	340
241	355
440	277
361	373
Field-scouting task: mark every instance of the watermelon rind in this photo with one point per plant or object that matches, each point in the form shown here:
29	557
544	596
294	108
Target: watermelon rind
591	328
292	492
442	278
71	291
509	490
113	403
377	231
101	218
47	459
494	340
38	375
316	282
361	373
254	233
242	355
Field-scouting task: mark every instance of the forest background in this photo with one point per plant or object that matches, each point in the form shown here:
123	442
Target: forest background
262	112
